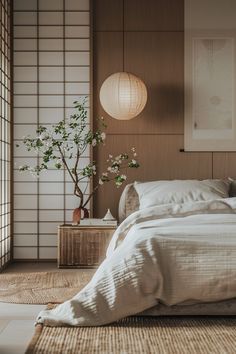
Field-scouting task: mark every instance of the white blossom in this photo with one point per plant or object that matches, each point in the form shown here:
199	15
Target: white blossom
44	136
100	182
114	169
118	158
124	177
33	172
94	142
103	136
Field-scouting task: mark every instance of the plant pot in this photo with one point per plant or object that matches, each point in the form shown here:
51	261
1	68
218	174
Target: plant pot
78	214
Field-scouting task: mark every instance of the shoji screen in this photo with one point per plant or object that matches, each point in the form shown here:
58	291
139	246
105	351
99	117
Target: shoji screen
51	70
5	134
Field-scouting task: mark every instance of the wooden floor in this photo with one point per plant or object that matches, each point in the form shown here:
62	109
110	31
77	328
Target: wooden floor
17	321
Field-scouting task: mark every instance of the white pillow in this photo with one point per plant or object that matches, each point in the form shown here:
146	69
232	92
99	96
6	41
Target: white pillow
180	191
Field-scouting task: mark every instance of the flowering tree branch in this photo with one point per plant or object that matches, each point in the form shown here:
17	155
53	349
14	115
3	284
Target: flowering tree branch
67	141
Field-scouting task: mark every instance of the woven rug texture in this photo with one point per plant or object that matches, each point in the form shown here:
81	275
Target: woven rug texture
140	335
42	287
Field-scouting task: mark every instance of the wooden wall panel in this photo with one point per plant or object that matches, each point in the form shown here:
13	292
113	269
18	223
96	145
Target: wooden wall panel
108	58
154	15
224	164
152	49
108	15
157	57
160	159
149	55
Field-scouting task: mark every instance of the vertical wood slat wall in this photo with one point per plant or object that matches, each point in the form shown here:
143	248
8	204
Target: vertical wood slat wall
51	70
5	133
145	38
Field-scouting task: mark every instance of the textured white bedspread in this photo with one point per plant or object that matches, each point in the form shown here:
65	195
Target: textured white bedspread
174	254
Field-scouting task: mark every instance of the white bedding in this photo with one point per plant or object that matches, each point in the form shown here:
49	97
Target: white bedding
173	254
180	191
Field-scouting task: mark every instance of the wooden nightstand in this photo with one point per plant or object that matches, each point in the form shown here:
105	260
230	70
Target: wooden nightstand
83	246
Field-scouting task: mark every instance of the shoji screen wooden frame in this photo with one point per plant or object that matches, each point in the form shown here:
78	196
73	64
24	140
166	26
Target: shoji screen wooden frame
52	68
5	133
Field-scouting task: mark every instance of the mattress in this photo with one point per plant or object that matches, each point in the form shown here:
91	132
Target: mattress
220	308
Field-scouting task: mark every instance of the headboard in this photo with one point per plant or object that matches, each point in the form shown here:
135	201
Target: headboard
232	191
129	202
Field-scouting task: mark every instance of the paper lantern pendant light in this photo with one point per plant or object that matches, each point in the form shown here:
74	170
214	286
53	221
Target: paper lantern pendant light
123	95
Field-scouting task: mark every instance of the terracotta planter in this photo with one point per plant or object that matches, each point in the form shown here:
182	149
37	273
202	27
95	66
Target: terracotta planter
80	213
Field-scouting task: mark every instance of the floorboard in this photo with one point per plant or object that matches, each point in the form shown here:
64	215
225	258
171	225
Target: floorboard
17	320
15	336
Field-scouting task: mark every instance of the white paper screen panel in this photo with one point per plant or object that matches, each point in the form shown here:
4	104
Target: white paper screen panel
5	135
51	70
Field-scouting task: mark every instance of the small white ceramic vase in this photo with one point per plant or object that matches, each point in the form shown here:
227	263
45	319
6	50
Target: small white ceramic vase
108	216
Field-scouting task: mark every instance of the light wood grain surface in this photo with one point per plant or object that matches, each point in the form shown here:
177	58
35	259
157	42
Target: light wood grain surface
224	164
160	159
153	15
108	15
151	46
17	320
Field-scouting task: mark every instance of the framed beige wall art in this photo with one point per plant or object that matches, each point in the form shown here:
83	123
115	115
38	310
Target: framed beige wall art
210	37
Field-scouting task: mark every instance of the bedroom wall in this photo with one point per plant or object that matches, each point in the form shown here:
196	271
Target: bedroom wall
51	70
146	38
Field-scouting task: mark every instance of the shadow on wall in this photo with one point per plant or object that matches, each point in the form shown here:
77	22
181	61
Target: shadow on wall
169	99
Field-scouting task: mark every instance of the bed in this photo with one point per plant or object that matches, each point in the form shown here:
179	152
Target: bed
174	253
129	203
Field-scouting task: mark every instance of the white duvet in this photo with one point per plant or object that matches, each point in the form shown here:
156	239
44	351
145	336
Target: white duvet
173	254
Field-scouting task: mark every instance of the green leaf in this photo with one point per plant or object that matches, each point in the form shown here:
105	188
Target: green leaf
58	165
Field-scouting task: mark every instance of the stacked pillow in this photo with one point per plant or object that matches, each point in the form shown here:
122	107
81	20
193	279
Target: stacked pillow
181	191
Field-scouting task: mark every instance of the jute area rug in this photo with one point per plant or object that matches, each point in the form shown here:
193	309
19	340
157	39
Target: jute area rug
134	335
42	287
140	335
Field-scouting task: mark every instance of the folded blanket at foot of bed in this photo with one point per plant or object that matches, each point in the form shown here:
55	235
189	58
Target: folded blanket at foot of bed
170	254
